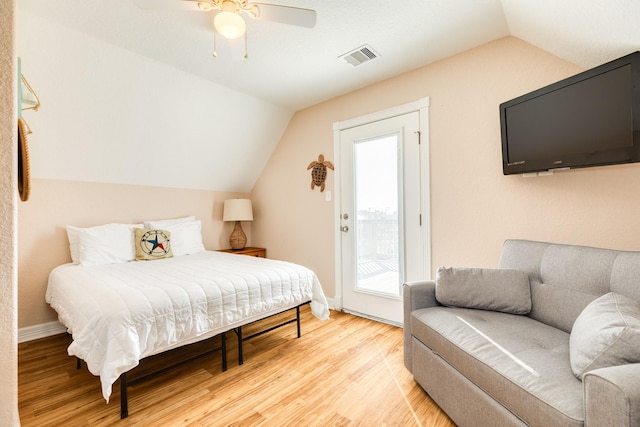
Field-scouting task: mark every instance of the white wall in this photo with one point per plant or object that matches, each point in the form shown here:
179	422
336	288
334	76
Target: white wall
110	115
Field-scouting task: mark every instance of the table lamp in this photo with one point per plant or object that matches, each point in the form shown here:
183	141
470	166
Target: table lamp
237	210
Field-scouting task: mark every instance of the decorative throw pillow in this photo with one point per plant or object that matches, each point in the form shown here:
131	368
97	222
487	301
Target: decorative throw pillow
186	235
152	244
606	333
102	244
486	289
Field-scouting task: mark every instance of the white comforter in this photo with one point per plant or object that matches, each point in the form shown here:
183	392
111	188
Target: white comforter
121	313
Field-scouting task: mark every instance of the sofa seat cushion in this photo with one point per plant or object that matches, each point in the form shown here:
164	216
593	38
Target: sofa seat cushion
520	362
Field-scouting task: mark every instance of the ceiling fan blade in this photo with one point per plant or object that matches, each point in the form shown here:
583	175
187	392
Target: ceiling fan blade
286	15
189	5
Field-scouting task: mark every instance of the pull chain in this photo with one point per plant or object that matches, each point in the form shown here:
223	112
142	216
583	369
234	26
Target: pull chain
215	45
215	50
246	50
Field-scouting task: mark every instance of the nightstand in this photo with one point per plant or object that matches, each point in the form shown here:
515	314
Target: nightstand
258	252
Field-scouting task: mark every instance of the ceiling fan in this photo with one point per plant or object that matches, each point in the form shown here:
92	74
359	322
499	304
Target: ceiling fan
228	19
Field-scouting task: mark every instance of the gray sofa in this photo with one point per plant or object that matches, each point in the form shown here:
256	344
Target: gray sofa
559	348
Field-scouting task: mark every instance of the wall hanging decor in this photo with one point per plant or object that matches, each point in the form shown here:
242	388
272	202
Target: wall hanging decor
27	100
319	172
24	166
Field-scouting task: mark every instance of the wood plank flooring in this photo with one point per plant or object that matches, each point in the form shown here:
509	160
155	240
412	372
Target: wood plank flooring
347	371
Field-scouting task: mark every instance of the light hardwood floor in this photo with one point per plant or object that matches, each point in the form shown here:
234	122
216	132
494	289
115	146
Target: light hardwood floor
347	371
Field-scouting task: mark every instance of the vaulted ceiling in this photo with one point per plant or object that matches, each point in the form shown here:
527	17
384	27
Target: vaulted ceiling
159	94
295	67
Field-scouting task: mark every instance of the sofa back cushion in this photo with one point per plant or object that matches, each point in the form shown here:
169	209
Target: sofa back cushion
566	278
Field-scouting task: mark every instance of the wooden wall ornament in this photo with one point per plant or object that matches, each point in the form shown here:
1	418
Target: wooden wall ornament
24	166
319	172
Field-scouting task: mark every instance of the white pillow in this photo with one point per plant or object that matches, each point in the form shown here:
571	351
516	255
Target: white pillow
164	223
186	237
103	244
74	241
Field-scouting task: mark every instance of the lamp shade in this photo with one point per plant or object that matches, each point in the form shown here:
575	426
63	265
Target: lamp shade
237	210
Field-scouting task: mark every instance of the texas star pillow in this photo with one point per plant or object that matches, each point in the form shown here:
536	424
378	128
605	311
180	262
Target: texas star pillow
152	244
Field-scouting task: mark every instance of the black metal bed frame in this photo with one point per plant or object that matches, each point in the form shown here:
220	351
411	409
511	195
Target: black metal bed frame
125	382
242	339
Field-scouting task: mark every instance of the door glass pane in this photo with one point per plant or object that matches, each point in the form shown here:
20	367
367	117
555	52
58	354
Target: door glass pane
376	207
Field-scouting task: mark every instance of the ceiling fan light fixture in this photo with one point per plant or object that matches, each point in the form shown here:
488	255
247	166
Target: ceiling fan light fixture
229	24
205	7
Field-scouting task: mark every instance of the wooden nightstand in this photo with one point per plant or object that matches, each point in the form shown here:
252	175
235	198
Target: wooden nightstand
259	252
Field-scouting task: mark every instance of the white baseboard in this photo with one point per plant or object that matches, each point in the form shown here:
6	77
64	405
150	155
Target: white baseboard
43	330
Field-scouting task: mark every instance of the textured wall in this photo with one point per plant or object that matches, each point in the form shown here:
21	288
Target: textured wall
474	208
8	218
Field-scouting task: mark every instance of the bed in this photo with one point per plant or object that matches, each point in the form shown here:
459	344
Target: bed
121	312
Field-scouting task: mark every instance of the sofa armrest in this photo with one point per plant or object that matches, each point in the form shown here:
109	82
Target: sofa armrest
612	396
415	295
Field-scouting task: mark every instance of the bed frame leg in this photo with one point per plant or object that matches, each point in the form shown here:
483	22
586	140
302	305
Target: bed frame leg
78	363
223	349
124	405
298	320
239	333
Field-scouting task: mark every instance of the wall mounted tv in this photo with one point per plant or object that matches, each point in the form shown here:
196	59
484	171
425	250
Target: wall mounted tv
590	119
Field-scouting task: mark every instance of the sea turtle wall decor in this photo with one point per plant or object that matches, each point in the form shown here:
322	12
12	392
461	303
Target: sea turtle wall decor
319	172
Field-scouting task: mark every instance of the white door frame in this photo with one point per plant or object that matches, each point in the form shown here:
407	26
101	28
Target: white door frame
422	106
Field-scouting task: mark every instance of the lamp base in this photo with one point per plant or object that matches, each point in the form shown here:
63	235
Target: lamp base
238	240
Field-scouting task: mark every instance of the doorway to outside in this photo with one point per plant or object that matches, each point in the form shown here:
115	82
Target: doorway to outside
382	237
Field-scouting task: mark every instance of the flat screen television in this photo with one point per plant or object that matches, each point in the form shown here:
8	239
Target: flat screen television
590	119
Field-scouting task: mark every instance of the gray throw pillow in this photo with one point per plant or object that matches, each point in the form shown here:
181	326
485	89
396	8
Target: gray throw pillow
606	333
487	289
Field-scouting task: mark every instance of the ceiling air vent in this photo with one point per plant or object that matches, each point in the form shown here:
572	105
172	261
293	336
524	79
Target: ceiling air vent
360	55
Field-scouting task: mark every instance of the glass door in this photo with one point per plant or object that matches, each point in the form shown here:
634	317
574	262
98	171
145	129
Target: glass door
381	242
376	206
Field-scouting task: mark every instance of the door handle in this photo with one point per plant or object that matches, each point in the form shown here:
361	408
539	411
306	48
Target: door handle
344	228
